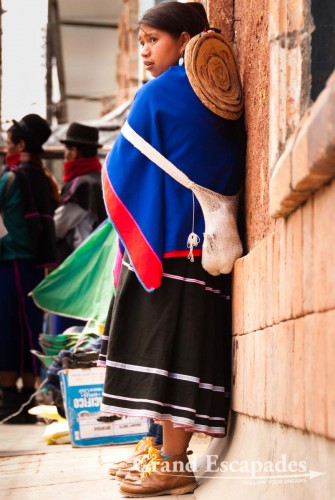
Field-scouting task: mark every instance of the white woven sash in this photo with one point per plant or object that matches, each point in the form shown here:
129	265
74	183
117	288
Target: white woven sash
155	156
222	245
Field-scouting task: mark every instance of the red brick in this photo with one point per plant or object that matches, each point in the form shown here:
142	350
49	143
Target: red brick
275	274
315	373
324	248
237	373
263	296
321	133
298	379
297	266
297	15
308	265
294	65
280	184
271	370
283	279
288	294
330	373
254	292
274	109
246	373
266	340
222	16
269	295
308	161
238	297
313	156
277	21
248	302
255	285
259	382
246	283
284	347
243	379
249	374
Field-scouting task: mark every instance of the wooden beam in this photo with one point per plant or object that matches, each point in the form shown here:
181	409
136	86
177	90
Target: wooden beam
82	97
88	24
58	54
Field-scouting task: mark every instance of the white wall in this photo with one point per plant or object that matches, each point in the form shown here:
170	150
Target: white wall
23	59
89	57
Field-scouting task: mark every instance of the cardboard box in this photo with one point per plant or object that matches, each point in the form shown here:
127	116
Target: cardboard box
82	393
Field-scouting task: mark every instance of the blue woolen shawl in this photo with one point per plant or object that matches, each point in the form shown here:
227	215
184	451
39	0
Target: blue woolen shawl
151	212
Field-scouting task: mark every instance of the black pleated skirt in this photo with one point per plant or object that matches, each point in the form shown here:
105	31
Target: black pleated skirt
167	353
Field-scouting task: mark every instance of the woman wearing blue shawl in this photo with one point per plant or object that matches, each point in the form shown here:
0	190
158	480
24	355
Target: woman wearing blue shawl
167	338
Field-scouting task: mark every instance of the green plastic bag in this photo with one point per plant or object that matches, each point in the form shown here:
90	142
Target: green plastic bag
82	286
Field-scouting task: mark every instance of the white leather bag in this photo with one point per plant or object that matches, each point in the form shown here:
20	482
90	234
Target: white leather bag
222	244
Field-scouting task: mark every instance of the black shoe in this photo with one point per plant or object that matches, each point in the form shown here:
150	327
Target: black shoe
9	404
26	393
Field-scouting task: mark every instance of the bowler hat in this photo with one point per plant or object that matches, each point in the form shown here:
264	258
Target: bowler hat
82	135
35	130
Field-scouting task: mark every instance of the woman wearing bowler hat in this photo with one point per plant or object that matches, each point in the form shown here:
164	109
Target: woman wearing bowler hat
82	208
28	197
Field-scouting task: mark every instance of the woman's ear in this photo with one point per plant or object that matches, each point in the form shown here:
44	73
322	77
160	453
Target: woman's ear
184	38
76	153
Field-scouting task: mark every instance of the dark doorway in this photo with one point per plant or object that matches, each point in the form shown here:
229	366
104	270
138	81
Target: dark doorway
323	44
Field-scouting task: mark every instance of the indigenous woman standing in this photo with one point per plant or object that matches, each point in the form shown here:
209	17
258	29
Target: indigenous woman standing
169	326
82	208
28	198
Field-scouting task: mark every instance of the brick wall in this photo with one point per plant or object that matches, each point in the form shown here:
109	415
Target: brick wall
284	321
128	57
284	288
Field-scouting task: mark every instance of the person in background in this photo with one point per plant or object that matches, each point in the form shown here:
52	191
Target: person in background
29	195
82	208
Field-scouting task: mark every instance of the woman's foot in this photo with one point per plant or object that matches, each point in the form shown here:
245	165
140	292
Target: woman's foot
134	472
162	476
141	449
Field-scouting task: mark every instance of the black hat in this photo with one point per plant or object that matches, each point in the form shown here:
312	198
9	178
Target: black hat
35	130
82	135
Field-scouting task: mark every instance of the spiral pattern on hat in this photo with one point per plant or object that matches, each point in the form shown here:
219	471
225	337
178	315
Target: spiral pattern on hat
212	71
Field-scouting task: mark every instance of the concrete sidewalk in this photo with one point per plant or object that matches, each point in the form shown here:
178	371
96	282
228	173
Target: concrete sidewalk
31	469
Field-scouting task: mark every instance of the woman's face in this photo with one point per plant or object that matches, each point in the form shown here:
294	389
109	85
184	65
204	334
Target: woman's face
70	153
160	50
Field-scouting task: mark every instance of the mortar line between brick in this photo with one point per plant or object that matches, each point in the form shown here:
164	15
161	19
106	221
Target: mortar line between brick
285	321
284	424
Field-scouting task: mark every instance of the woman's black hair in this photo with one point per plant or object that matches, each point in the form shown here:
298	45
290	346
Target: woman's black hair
176	17
16	135
87	152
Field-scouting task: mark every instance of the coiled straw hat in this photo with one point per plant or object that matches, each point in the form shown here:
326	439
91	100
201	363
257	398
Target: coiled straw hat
212	71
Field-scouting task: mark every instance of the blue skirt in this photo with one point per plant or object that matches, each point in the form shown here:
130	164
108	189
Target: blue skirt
21	321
